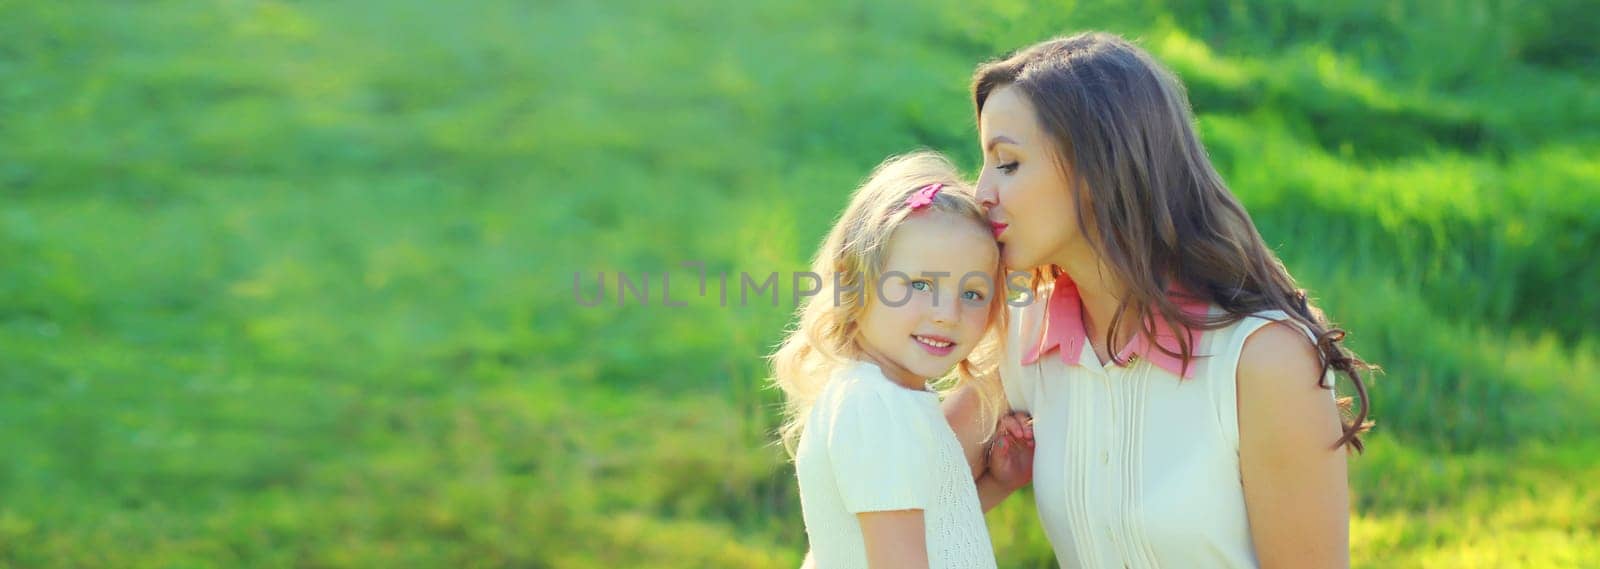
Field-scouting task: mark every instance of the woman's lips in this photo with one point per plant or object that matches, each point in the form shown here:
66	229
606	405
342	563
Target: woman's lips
998	228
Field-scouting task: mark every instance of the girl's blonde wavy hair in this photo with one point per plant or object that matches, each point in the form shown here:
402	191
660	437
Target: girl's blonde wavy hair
856	250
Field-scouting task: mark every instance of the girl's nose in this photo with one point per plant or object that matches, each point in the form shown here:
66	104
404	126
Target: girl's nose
945	312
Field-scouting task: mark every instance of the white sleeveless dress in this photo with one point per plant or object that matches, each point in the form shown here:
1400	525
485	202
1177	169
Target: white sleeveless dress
1134	466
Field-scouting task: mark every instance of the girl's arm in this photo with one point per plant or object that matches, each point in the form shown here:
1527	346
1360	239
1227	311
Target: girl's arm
1005	468
1295	487
961	411
894	539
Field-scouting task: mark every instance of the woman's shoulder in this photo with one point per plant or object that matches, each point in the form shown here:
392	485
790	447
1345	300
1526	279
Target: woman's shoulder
1273	344
1271	337
1238	333
1273	347
1281	384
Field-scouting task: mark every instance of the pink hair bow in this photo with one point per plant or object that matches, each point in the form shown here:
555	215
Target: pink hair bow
924	196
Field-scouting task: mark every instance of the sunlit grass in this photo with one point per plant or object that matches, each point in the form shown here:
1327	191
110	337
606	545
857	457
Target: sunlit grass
291	284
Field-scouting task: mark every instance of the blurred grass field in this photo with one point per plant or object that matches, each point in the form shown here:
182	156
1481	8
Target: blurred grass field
292	283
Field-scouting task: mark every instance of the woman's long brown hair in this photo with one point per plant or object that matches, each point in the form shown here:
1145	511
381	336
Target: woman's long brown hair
1151	203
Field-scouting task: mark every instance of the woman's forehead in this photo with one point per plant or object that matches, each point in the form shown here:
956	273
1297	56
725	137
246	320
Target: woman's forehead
1007	117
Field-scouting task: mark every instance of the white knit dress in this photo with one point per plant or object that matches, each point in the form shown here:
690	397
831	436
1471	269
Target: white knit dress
873	445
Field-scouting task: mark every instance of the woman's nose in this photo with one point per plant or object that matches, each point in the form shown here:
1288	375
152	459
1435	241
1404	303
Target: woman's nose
987	196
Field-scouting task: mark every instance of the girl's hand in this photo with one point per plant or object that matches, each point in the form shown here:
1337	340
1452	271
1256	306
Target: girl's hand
1010	456
1019	426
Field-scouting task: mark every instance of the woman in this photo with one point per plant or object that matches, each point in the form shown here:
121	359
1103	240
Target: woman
1179	383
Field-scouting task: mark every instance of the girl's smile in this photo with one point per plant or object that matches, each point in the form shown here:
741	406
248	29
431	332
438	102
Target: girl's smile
939	346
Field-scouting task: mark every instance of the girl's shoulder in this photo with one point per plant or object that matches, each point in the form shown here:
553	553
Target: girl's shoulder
858	385
864	414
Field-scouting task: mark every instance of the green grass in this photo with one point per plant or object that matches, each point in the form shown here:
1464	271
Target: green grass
290	284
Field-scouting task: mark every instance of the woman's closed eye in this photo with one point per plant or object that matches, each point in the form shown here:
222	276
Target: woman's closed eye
1008	167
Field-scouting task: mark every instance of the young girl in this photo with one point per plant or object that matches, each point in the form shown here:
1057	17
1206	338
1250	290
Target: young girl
909	290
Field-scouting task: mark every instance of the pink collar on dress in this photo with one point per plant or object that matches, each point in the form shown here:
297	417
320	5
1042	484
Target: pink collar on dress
1064	330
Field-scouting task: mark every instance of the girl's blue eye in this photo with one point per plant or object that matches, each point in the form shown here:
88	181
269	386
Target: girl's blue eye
1008	167
919	285
972	295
